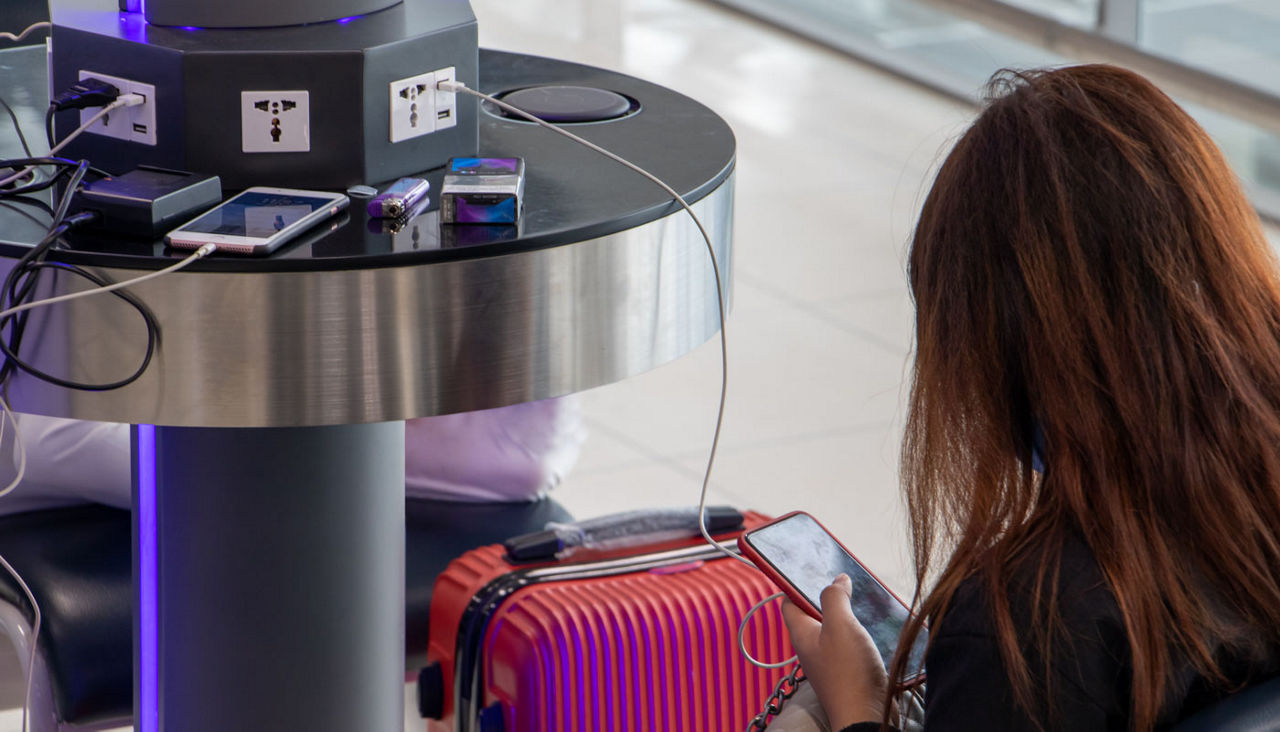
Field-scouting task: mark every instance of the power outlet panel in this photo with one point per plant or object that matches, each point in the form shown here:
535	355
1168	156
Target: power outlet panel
413	107
275	121
419	108
135	124
446	101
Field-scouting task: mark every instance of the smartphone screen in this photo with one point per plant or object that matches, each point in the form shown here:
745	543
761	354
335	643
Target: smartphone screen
809	558
257	214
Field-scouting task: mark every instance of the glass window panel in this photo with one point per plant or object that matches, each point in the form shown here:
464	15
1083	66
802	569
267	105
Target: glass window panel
934	47
1231	37
1081	13
1239	39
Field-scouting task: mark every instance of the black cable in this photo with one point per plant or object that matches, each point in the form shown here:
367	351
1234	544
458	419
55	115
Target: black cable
11	295
72	186
48	125
63	165
21	280
57	228
36	185
84	94
153	336
17	127
20	283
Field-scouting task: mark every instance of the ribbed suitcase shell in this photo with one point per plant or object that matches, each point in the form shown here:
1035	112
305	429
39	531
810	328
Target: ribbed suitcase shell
642	650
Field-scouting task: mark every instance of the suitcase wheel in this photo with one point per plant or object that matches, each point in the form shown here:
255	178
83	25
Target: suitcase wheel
491	718
431	691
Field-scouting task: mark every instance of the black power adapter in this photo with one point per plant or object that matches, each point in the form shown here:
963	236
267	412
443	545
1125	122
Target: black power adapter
147	201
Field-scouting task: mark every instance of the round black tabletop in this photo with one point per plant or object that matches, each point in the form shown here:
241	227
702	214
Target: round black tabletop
606	277
571	193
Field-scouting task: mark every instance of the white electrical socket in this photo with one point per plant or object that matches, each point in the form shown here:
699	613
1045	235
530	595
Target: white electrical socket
413	107
135	124
446	101
419	108
275	121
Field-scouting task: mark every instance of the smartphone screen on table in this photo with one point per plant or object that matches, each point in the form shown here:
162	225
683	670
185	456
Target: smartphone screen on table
803	558
258	221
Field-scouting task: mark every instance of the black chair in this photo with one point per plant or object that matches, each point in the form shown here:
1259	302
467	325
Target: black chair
78	564
1255	709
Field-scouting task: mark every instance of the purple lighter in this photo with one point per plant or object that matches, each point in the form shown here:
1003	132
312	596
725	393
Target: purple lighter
402	196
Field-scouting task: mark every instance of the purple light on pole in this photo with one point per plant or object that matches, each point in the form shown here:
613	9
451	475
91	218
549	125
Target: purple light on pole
148	569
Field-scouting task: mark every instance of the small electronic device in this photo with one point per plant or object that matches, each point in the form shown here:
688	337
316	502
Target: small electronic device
482	191
258	220
803	558
399	199
147	201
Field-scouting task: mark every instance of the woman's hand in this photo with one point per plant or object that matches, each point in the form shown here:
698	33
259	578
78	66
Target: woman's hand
839	658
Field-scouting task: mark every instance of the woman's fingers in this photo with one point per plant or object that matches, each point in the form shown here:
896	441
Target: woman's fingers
804	629
838	657
836	605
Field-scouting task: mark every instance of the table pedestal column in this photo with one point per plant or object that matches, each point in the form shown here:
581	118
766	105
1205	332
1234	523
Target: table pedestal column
269	578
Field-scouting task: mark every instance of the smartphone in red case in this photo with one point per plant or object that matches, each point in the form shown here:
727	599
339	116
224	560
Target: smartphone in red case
803	558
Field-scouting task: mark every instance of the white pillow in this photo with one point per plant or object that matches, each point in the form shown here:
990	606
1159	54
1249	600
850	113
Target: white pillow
514	453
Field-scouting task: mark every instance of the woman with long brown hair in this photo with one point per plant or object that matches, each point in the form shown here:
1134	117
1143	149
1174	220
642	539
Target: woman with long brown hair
1092	451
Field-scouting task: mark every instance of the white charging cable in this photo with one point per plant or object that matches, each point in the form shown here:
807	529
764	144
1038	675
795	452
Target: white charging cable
200	253
124	100
454	86
21	451
127	100
8	417
25	31
742	635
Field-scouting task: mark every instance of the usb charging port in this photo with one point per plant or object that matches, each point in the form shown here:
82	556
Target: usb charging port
140	129
443	113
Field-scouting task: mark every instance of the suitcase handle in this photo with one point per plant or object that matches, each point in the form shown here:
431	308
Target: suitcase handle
620	530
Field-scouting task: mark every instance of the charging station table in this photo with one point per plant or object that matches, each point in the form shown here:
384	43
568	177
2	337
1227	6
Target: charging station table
269	446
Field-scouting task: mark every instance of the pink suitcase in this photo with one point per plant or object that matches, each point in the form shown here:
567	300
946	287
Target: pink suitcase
647	640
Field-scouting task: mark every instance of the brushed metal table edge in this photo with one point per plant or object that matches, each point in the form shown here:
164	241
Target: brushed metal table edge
293	349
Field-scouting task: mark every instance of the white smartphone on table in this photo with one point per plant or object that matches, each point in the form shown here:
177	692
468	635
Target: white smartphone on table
257	220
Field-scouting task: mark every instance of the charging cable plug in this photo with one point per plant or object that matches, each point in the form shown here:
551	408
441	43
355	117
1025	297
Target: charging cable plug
87	93
81	218
206	250
450	86
126	100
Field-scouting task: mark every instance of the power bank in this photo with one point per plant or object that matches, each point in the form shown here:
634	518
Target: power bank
147	201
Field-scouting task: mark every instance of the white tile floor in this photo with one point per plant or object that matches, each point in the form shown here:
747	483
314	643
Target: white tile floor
820	336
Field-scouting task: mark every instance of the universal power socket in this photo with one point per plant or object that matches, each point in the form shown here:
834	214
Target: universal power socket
275	121
135	124
419	108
